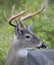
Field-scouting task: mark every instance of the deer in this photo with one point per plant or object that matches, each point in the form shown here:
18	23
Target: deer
23	38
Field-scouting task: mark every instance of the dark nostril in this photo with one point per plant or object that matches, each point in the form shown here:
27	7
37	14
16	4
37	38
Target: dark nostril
43	45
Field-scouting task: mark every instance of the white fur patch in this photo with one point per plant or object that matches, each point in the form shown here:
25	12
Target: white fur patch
15	37
22	53
39	44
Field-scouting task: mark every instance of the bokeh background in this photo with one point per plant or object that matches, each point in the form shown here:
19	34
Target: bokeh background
43	23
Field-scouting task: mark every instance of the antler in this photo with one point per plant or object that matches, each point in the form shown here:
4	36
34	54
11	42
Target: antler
27	16
14	16
32	14
23	17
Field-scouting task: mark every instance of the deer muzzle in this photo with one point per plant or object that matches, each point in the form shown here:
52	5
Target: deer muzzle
42	46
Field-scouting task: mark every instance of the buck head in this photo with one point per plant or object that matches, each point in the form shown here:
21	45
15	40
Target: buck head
24	36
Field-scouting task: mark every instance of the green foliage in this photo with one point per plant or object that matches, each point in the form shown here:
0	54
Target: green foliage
5	37
43	24
51	1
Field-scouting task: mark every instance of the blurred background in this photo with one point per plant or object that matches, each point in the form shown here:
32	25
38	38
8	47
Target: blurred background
43	22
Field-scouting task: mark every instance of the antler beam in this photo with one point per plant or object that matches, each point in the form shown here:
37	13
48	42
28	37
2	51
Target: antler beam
32	14
15	16
22	18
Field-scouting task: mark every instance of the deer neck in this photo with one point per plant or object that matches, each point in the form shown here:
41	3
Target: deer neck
17	43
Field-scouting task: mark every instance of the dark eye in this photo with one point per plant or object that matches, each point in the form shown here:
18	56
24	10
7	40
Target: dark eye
28	37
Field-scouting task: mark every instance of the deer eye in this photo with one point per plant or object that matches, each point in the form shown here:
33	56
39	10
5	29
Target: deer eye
28	37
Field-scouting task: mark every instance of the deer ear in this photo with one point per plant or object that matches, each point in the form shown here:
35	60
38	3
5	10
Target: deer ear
30	27
19	30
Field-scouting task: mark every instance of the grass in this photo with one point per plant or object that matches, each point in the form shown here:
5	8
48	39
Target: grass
5	37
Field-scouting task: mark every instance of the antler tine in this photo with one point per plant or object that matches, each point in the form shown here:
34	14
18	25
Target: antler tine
15	16
12	13
5	15
32	14
13	8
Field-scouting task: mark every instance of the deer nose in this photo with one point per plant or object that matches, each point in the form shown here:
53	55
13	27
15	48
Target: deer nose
43	45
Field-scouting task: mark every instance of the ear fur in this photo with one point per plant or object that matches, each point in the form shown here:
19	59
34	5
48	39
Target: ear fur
18	30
